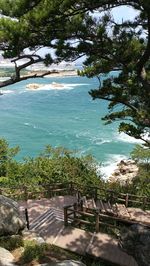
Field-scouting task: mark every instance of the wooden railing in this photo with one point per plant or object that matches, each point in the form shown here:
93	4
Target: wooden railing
94	220
70	188
72	214
78	216
37	191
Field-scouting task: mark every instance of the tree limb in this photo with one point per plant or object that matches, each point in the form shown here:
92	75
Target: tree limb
14	80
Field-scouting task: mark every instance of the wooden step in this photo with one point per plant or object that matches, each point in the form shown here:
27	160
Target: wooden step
106	207
88	203
122	211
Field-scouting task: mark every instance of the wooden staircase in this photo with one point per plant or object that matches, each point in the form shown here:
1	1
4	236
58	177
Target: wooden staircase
117	211
47	219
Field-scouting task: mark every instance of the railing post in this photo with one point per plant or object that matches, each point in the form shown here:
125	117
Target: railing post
111	197
71	188
74	210
95	196
127	200
27	218
97	221
25	193
65	216
144	202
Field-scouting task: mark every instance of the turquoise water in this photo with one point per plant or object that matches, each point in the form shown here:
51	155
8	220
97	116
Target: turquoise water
60	117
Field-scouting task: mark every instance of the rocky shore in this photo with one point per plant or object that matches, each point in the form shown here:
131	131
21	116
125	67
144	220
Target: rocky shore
36	86
124	173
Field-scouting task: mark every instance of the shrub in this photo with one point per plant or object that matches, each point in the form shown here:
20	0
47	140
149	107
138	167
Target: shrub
33	251
11	242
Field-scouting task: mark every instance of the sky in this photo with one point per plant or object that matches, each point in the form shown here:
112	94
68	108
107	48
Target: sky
119	13
124	13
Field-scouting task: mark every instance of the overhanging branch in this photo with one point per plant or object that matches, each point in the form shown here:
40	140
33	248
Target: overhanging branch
14	80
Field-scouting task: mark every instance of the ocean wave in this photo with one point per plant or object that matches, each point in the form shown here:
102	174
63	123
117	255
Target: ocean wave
101	141
6	91
110	165
30	125
125	138
52	86
94	140
83	134
77	84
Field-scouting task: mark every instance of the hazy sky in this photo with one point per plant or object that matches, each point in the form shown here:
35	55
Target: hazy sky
124	13
119	13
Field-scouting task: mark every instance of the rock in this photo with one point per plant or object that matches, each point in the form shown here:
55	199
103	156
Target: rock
116	173
125	172
122	162
33	86
6	258
30	235
11	220
68	263
63	263
136	242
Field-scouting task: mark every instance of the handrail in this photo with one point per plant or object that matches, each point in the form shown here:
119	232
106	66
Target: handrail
76	213
52	188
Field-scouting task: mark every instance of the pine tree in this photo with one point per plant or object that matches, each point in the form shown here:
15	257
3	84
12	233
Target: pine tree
73	29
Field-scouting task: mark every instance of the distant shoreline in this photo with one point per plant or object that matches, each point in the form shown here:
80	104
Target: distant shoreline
60	73
54	74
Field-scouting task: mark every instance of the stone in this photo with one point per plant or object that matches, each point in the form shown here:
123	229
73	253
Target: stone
136	242
6	258
11	220
33	86
69	263
33	236
125	172
64	263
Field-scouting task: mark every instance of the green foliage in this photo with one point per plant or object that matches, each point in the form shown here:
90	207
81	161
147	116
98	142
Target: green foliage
11	242
59	165
53	165
141	183
33	251
141	155
6	159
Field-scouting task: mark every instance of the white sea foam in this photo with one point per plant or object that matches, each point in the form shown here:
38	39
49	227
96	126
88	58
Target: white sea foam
6	91
55	86
76	84
100	141
83	134
30	125
109	166
125	138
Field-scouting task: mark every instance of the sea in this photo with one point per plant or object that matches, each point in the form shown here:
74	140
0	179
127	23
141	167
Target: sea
62	116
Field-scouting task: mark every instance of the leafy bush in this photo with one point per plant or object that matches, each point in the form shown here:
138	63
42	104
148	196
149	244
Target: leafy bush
53	165
33	251
11	242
